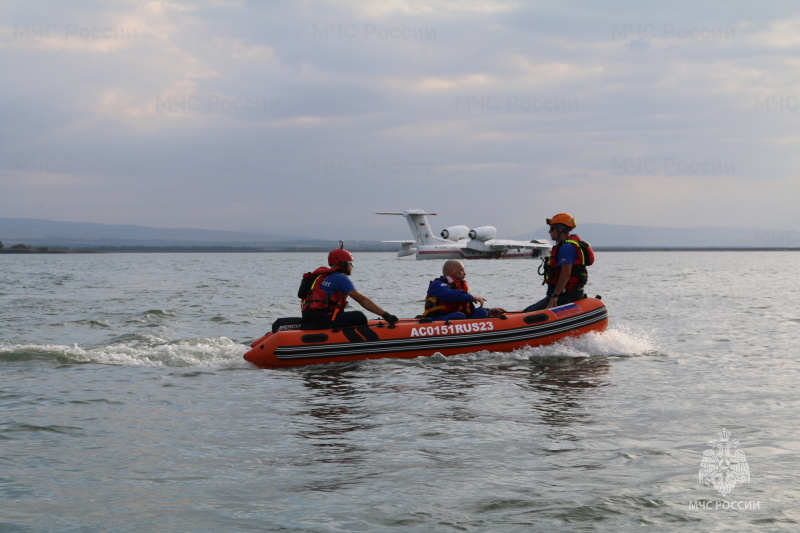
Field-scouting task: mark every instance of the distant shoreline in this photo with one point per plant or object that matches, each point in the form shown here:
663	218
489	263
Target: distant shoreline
226	249
18	252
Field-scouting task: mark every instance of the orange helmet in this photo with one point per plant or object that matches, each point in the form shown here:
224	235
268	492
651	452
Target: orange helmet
562	218
339	255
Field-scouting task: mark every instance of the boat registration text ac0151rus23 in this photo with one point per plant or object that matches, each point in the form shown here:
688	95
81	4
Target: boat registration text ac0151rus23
451	329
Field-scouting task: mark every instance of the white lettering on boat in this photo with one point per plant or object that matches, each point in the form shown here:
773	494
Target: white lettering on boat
450	329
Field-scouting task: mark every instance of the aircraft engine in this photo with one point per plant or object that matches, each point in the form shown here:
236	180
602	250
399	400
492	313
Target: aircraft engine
484	233
455	233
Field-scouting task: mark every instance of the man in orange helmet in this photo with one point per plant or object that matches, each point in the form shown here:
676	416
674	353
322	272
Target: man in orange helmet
565	269
326	296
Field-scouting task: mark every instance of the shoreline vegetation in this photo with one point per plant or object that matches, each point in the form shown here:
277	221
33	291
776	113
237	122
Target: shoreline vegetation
16	250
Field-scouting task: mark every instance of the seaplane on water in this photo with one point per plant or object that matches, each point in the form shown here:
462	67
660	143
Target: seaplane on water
460	242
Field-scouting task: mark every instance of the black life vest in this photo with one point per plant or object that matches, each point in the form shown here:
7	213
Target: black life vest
435	307
584	256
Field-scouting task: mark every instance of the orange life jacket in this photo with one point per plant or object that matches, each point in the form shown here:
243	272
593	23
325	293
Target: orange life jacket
435	307
584	255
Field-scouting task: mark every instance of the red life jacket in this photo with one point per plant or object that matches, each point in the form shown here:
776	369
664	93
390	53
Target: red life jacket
584	256
320	300
434	306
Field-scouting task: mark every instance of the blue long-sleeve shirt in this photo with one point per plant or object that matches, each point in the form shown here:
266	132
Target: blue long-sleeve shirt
441	290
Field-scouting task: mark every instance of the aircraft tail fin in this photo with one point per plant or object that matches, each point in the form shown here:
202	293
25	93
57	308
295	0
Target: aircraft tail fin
418	223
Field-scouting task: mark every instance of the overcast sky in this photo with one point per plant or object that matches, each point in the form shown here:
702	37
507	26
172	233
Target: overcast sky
272	115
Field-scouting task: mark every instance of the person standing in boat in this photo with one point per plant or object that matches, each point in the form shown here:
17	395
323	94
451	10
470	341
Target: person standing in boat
564	271
324	294
449	298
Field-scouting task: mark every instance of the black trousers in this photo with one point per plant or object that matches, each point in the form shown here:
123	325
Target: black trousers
563	298
325	321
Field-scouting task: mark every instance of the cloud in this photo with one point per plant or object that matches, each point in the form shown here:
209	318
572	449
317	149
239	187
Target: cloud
228	115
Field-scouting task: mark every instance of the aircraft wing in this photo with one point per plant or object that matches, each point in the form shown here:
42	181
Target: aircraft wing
407	249
502	244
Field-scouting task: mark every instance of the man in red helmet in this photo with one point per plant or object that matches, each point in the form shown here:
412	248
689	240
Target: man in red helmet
323	305
565	269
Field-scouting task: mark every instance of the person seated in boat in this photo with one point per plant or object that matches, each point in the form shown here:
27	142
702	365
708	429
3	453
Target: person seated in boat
324	294
565	272
449	297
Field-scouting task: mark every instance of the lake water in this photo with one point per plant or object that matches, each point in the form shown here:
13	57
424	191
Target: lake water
126	404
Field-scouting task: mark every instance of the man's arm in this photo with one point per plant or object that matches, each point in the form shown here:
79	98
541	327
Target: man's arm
443	292
366	302
563	277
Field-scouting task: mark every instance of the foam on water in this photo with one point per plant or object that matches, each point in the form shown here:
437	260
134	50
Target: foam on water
620	341
135	351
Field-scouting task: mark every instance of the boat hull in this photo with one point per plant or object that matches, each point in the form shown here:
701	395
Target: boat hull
411	338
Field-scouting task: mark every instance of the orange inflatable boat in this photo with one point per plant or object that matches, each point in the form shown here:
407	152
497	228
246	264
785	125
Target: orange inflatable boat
409	338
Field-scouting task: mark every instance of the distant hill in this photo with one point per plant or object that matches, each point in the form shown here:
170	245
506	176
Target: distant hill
38	232
610	235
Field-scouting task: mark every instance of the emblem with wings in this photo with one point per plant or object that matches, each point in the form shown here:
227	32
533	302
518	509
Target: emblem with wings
725	465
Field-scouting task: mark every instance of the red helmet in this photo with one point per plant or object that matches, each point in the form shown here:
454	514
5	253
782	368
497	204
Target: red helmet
339	255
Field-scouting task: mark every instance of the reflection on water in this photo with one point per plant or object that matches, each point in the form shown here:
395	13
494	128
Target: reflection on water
334	418
563	383
453	385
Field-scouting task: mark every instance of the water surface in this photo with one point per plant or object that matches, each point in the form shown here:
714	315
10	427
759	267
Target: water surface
127	406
